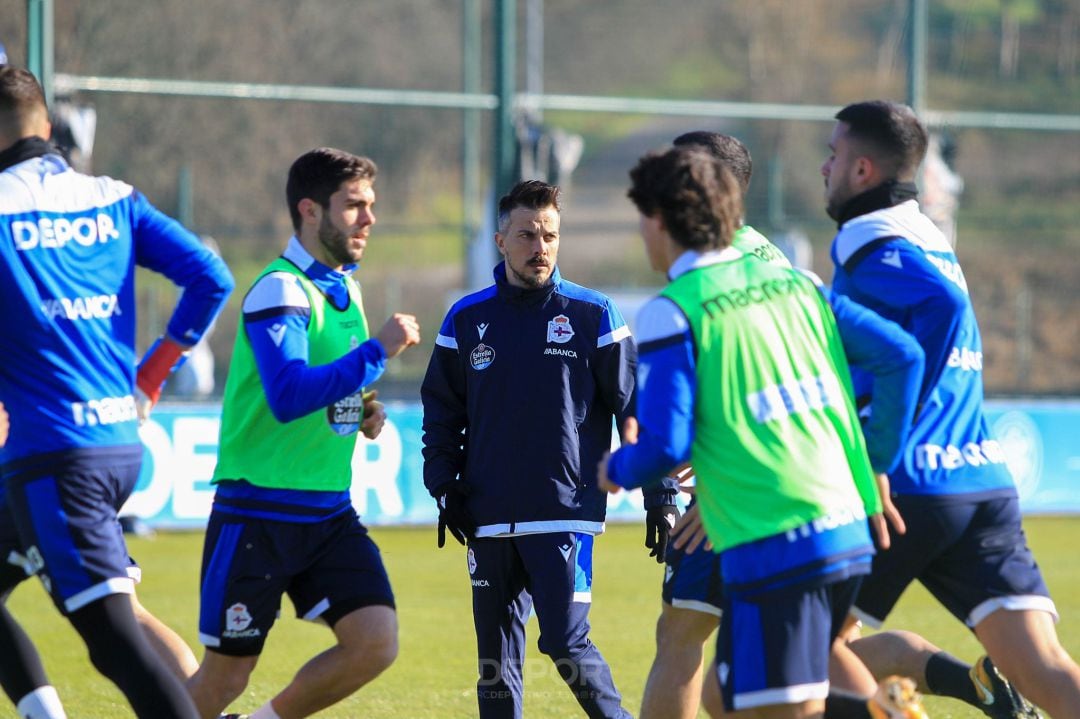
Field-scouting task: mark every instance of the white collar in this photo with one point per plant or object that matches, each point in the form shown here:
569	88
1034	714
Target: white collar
692	260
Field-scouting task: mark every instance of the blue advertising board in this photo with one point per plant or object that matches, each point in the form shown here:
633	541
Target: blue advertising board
1040	440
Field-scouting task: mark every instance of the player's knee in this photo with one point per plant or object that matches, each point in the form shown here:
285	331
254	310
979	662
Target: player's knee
377	650
223	681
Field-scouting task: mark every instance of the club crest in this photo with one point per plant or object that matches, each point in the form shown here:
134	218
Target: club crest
559	330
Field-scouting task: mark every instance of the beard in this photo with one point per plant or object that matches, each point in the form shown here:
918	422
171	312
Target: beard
336	243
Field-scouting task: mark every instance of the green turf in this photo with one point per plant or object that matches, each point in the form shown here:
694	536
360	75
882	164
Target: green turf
434	674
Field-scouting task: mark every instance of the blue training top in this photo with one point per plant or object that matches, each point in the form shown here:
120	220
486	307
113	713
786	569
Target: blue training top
69	244
897	263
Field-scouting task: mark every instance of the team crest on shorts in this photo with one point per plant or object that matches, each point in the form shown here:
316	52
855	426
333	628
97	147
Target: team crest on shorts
481	357
470	557
559	329
237	617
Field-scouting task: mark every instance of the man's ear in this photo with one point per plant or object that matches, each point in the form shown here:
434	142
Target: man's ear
500	242
309	209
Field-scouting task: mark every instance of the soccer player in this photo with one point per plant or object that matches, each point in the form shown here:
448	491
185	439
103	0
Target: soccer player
692	583
282	519
524	381
691	586
743	375
964	538
69	246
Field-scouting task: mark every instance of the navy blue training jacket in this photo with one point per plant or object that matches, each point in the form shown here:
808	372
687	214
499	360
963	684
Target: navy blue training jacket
518	400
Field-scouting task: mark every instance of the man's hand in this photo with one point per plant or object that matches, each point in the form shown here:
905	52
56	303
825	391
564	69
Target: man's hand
689	533
659	521
890	515
164	356
453	514
5	425
399	332
374	415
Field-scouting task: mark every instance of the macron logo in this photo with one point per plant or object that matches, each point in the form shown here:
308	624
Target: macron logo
565	550
892	258
482	328
277	333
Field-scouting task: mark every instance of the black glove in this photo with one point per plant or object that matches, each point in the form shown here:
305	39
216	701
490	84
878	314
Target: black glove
658	523
453	515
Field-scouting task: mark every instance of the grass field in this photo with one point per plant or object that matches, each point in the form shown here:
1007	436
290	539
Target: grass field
435	672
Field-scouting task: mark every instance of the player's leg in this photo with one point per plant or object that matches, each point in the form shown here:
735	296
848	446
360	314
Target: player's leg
366	646
501	607
933	670
119	650
22	675
690	613
559	568
673	688
1024	645
65	511
989	579
347	589
169	646
219	681
237	605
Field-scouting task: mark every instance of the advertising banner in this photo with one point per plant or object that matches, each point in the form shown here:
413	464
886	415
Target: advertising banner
174	490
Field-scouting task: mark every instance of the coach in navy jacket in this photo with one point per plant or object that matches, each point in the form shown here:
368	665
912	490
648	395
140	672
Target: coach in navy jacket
524	381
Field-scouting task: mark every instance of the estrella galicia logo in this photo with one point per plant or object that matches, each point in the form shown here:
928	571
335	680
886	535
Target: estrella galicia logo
346	414
559	329
481	357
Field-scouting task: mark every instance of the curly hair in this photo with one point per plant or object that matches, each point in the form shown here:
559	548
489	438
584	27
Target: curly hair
699	199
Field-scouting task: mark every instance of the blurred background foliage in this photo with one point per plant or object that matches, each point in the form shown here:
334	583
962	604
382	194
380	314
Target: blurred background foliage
1019	214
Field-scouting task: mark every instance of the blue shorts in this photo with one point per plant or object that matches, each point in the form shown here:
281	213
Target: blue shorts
328	569
58	519
693	581
774	648
972	555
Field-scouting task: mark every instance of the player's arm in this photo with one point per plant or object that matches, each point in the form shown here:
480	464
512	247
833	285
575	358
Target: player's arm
274	317
895	361
614	369
163	245
665	399
445	432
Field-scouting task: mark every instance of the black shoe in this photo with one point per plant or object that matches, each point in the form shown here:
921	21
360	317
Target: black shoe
998	698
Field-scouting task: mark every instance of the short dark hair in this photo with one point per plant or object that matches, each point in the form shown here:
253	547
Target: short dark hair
891	134
725	148
530	194
21	97
697	197
317	174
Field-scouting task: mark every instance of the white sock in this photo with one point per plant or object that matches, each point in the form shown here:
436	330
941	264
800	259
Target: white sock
42	703
266	711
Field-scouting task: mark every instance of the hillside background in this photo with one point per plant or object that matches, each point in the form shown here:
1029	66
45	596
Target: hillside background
1019	215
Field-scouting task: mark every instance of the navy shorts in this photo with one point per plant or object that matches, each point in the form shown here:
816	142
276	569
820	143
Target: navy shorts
328	568
774	648
693	581
971	555
58	519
